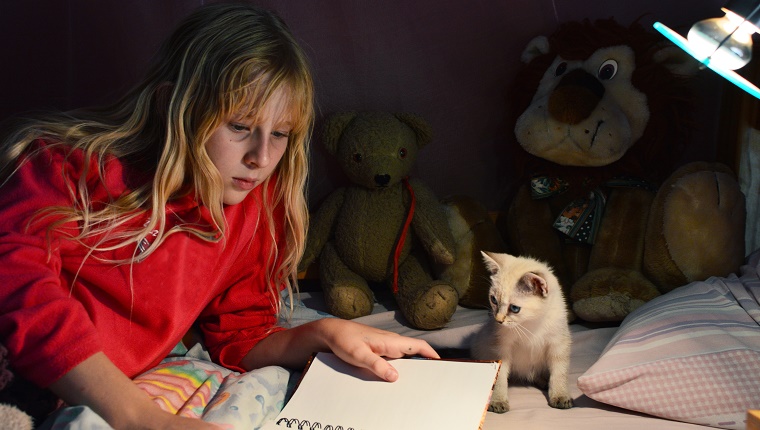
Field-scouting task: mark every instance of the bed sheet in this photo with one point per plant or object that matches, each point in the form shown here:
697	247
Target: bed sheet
529	408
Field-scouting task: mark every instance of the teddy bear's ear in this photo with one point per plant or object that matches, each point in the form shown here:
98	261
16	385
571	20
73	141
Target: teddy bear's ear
538	46
421	128
334	126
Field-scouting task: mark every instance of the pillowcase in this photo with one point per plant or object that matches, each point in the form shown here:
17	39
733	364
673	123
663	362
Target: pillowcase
690	355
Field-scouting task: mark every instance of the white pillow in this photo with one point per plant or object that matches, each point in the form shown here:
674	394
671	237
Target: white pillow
690	355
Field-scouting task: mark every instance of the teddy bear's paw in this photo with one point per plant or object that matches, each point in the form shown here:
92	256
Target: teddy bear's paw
348	301
611	307
441	254
14	419
435	307
697	227
610	294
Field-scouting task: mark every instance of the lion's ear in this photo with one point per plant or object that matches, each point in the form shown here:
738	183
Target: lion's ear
675	59
538	46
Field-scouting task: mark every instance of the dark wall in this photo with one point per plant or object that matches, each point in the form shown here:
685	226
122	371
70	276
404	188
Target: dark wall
449	61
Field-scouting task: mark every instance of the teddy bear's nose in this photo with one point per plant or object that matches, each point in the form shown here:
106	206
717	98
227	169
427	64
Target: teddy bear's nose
382	180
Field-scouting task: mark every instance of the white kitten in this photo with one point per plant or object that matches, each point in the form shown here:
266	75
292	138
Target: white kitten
528	332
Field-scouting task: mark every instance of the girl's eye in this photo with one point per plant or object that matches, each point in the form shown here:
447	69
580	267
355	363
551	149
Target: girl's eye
281	134
402	152
514	309
357	157
238	127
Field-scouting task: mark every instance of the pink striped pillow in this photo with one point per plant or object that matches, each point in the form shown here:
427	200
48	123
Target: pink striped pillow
690	355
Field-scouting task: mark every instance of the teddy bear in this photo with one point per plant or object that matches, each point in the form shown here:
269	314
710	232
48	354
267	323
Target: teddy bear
383	228
474	231
19	399
600	123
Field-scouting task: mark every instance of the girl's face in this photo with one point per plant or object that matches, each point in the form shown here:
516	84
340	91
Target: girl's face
246	151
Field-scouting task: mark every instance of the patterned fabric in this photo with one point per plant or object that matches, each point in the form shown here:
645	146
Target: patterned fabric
691	355
183	387
542	187
580	219
187	383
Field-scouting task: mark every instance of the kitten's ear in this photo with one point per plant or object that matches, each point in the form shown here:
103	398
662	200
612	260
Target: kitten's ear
539	284
491	265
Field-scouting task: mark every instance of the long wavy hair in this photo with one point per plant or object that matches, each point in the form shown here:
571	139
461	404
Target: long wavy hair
222	60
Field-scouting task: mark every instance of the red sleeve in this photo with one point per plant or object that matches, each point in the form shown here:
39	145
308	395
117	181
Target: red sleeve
240	317
46	331
240	320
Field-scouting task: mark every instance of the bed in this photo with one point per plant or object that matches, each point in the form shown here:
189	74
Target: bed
688	360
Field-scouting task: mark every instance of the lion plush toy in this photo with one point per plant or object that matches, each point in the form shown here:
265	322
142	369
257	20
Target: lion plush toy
600	122
382	228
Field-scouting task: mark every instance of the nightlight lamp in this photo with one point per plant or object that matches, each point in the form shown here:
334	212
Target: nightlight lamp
723	44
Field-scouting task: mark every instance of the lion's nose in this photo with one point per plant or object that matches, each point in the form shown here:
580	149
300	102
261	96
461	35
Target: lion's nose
575	97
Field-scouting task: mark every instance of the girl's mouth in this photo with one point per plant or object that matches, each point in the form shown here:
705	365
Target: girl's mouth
244	184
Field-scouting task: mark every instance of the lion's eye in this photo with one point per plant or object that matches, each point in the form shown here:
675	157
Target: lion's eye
608	70
561	69
402	153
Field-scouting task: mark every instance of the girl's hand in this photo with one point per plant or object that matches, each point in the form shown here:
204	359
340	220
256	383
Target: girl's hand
354	343
365	346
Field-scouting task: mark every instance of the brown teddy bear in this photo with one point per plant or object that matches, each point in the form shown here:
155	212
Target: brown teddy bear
384	227
600	124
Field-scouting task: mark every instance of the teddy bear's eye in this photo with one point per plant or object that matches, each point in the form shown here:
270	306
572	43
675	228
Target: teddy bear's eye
357	157
608	70
561	69
402	152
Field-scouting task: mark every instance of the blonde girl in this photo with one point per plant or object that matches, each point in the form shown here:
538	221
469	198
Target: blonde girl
182	203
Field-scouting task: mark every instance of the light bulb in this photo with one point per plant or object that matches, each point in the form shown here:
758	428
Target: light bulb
726	41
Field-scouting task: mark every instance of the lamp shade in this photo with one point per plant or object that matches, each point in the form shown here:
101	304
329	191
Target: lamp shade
723	44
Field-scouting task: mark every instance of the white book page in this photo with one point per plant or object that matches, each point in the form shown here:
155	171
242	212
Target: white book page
429	394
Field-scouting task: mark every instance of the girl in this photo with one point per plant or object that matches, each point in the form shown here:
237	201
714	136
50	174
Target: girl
183	202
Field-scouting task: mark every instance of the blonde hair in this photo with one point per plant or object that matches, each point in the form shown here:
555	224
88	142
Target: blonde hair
222	60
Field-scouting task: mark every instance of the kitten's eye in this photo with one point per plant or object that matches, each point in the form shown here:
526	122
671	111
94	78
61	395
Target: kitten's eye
493	300
514	309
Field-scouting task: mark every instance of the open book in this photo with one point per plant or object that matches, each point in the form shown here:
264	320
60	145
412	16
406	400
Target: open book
429	394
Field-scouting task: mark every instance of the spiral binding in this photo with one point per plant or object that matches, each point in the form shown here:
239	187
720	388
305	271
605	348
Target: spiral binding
306	425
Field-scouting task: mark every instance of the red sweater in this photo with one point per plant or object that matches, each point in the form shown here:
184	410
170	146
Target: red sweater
58	308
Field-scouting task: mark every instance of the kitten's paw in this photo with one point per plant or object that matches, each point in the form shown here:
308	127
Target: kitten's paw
561	402
499	407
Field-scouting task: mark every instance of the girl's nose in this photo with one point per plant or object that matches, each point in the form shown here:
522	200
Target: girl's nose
258	153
